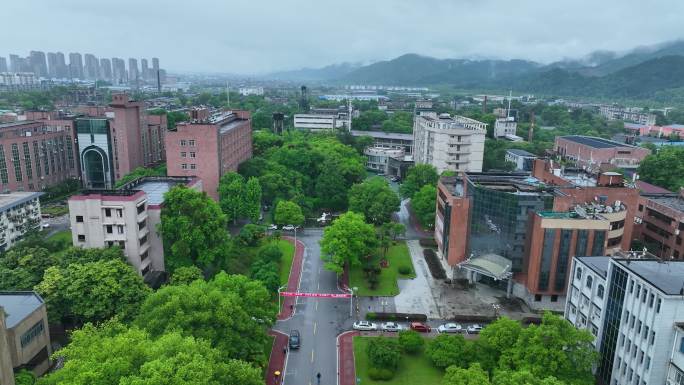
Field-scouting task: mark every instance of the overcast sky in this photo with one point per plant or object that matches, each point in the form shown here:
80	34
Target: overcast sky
258	36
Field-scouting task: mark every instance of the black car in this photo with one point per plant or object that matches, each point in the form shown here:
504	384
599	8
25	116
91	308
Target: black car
295	339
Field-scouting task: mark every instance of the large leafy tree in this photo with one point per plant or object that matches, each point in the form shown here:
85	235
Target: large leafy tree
232	195
375	199
474	375
384	353
252	199
501	335
193	228
522	377
288	213
424	204
115	355
417	177
664	168
446	350
231	311
348	239
92	291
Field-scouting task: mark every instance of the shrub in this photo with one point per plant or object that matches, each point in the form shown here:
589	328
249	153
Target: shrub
396	317
379	374
446	350
428	242
436	268
384	353
405	270
410	341
270	253
251	234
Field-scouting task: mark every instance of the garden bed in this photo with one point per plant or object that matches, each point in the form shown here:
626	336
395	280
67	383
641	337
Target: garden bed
398	260
435	266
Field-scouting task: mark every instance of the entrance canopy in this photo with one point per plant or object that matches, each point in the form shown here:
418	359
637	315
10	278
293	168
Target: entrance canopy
490	265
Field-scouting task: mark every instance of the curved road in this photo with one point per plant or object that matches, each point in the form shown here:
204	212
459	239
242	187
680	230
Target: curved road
319	320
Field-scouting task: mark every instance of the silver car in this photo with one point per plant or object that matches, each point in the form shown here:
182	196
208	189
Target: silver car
450	328
391	327
365	325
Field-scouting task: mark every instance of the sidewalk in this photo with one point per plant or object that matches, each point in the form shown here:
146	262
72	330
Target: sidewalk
276	361
293	281
345	358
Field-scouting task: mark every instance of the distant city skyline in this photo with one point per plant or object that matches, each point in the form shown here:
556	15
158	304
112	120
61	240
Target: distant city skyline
264	36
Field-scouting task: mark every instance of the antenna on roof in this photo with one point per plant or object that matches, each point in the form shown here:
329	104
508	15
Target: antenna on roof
227	95
508	112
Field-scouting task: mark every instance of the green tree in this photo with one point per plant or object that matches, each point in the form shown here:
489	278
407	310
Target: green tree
501	335
348	239
424	204
186	275
24	377
383	353
374	199
664	168
253	199
523	377
446	350
288	213
92	291
21	268
474	375
417	177
193	229
231	311
262	141
141	172
232	195
411	341
115	355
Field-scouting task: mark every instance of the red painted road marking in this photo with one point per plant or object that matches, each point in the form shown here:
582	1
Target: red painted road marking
317	295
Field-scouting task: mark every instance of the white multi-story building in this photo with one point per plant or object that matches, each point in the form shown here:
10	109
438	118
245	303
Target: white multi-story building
523	160
634	308
19	213
378	158
505	127
322	119
632	114
127	218
246	91
453	143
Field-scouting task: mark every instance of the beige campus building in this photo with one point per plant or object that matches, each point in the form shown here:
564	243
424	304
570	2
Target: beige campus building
449	143
127	217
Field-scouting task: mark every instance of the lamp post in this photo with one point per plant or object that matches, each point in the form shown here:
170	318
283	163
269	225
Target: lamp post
279	290
351	301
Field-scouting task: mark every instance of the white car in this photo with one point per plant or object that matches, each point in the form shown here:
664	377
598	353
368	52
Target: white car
391	327
46	225
450	328
365	325
288	228
273	227
474	329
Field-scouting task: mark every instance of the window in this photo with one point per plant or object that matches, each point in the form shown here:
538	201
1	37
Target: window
109	229
79	218
650	342
145	270
119	213
651	299
141	225
141	208
622	340
184	166
578	273
31	334
631	321
638	328
122	245
554	298
573	309
537	298
594	330
81	237
681	345
184	154
120	229
143	240
108	213
590	281
644	293
192	154
658	305
648	362
193	166
631	286
646	332
183	142
599	291
191	142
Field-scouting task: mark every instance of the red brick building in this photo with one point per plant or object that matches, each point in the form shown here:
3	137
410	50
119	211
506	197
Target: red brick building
592	152
660	224
209	148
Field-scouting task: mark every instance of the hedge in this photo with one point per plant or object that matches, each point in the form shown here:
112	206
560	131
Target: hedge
436	268
396	316
428	242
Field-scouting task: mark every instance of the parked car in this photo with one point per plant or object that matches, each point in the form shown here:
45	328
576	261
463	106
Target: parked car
395	179
288	228
273	227
45	225
295	339
450	328
392	327
474	329
365	325
420	327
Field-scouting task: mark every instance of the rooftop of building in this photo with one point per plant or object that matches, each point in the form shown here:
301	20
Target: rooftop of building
19	305
382	135
666	276
519	152
671	200
17	123
7	201
647	188
156	186
594	142
598	264
514	183
455	120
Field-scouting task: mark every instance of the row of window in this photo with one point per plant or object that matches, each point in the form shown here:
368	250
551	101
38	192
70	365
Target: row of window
642	292
184	154
589	283
31	334
193	166
190	143
641	329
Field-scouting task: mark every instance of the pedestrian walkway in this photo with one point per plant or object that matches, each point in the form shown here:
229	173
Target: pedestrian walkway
293	281
345	356
276	362
417	295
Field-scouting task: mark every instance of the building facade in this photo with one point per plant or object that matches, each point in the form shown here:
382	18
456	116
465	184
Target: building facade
633	306
449	143
505	127
127	218
210	147
592	152
19	214
660	224
36	154
635	115
24	326
378	159
523	160
388	139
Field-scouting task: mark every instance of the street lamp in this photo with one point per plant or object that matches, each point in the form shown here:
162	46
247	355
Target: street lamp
351	302
279	290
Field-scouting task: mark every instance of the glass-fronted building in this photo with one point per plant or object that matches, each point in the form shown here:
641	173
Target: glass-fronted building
95	148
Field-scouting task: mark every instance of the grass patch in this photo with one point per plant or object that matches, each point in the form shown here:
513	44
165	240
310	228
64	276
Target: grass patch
268	347
412	370
63	236
398	256
56	210
288	250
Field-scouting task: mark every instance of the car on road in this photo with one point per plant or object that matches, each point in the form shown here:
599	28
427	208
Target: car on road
289	227
420	327
273	227
474	329
365	325
450	328
45	225
295	339
392	327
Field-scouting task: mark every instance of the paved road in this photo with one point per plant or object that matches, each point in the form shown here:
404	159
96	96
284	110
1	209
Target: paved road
319	320
405	219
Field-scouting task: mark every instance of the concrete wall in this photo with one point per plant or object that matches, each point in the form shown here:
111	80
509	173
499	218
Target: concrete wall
21	356
6	372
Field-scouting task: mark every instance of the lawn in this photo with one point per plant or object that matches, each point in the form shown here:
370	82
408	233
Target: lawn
412	369
55	210
287	249
397	255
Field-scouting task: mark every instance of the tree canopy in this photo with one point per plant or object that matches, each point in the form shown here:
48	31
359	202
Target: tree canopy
417	177
374	199
288	213
665	168
424	204
348	239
